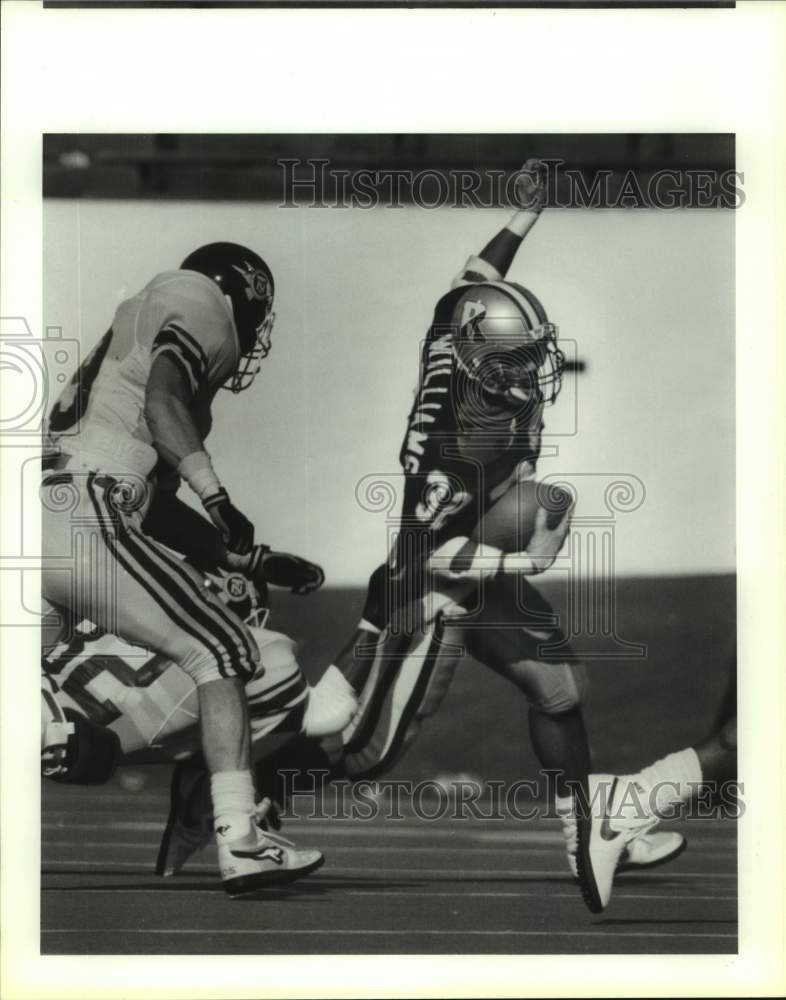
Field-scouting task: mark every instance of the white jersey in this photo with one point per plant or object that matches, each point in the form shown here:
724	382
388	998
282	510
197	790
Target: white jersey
99	419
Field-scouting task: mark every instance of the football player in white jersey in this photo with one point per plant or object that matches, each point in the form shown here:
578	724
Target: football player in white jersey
131	425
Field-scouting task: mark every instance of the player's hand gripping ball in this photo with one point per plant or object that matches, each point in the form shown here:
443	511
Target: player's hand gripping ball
510	522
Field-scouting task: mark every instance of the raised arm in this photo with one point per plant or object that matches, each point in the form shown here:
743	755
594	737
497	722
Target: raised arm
494	260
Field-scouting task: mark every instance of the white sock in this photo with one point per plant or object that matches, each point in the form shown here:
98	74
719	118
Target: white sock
233	803
671	780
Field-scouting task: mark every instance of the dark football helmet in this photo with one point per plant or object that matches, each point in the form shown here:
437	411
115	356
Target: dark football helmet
246	280
505	343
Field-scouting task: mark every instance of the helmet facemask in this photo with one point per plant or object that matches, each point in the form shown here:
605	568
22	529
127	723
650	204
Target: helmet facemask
512	363
251	360
246	283
254	318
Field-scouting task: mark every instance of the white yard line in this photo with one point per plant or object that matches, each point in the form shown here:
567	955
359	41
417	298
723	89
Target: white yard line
394	829
390	932
331	849
458	873
373	894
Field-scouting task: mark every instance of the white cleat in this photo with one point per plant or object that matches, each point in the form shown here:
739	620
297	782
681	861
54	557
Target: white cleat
605	831
645	850
648	850
189	827
271	862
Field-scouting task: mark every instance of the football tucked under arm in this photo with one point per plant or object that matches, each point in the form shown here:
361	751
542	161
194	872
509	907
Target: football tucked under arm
522	532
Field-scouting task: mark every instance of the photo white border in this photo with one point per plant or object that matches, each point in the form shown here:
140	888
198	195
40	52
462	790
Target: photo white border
452	71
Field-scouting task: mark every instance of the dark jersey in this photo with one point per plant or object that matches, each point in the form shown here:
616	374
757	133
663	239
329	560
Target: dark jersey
460	446
460	450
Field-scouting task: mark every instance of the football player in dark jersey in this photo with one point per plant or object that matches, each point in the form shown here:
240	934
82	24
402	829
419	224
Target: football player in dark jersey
490	367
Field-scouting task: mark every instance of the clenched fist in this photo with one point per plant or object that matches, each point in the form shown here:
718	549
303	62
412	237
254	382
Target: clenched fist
531	186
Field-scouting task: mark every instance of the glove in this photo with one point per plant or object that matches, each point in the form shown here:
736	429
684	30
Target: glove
285	570
237	532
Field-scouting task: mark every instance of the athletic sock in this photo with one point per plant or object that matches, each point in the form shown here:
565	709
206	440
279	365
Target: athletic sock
233	803
671	780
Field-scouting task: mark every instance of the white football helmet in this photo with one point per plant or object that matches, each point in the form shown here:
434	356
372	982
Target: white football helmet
505	343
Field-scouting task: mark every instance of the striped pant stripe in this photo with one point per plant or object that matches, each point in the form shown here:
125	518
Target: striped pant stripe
229	629
397	692
144	562
163	593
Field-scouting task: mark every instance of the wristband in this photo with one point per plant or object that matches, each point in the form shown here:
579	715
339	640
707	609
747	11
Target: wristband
479	562
212	499
197	471
521	222
518	562
250	563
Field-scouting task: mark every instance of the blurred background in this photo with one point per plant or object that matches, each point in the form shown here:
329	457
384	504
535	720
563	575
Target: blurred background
643	298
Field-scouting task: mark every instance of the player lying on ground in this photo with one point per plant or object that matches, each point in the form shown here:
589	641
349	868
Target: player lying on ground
474	527
139	409
105	703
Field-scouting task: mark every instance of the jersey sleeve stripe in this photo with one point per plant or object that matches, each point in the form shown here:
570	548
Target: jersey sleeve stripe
186	338
171	351
476	271
173	334
193	355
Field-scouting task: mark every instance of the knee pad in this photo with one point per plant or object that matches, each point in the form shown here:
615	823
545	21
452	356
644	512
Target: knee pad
557	687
